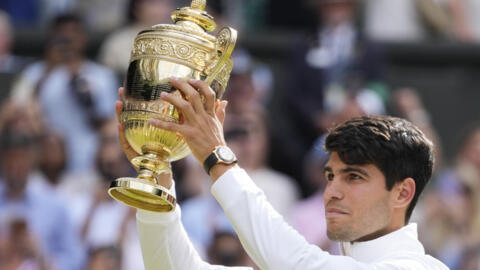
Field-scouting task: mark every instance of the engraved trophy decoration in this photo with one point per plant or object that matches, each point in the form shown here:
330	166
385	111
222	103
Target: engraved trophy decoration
184	50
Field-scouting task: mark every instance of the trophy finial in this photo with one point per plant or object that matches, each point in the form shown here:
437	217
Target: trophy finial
198	4
196	14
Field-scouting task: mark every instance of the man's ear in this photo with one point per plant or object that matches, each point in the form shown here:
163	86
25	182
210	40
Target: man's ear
404	193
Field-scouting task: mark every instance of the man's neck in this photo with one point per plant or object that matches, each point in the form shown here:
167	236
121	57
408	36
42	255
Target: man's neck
377	234
74	64
397	222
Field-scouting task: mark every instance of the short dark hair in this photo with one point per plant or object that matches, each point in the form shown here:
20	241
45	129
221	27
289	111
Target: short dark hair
397	147
65	18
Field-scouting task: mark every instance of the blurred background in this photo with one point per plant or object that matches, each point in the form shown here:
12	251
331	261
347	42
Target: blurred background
300	68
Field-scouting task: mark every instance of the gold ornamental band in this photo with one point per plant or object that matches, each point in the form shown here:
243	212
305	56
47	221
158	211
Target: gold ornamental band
177	50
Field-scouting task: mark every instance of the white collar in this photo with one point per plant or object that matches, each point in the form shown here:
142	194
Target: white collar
403	239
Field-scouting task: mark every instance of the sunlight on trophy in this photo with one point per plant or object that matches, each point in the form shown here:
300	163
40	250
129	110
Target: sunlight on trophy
184	50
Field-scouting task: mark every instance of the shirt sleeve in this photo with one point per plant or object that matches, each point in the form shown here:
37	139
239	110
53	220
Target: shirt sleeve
267	238
166	246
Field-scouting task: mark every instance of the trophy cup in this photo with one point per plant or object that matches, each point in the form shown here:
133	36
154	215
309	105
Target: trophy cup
184	50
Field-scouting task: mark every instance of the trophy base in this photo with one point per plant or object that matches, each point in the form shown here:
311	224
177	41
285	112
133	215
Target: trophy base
142	194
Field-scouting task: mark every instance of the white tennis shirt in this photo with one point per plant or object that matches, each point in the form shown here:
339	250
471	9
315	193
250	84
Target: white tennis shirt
270	241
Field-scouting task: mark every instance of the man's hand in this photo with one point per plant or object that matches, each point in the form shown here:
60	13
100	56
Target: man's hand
202	125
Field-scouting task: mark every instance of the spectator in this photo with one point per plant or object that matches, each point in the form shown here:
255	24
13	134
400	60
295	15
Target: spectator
51	167
19	249
75	93
142	14
227	250
52	175
53	237
26	117
53	163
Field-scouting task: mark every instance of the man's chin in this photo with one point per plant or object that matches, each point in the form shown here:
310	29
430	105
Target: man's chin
338	234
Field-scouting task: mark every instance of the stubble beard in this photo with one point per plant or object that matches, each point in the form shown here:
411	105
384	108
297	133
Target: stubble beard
373	220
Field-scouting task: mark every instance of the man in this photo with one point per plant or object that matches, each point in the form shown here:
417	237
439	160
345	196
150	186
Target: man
378	167
75	94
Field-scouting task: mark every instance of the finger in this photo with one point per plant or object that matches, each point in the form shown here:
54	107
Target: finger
220	110
181	104
191	95
127	149
118	109
207	92
170	126
121	92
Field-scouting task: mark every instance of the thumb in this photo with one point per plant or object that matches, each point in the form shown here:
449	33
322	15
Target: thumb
220	110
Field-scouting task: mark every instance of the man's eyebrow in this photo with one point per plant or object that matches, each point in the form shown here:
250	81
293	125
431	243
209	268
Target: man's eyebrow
353	169
327	169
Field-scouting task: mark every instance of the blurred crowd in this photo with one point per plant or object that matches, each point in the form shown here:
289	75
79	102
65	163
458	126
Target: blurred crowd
59	148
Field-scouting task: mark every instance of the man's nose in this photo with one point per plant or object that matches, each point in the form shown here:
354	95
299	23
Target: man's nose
334	190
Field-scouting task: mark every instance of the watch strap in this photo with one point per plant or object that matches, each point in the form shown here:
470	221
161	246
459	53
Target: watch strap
211	160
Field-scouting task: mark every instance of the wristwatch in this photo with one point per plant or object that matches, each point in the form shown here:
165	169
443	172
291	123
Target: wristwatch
221	154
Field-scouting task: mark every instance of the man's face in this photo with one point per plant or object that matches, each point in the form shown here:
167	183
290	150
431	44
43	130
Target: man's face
112	163
68	40
357	204
336	13
16	165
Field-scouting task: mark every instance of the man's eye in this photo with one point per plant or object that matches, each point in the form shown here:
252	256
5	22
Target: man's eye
329	176
354	177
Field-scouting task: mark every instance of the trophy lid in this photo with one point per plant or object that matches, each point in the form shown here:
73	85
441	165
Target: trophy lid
196	14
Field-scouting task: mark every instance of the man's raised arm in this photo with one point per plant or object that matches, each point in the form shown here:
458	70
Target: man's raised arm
165	244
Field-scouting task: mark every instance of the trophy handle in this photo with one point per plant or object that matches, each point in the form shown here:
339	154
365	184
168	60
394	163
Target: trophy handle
226	39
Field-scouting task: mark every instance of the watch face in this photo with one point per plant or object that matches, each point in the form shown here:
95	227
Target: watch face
225	154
